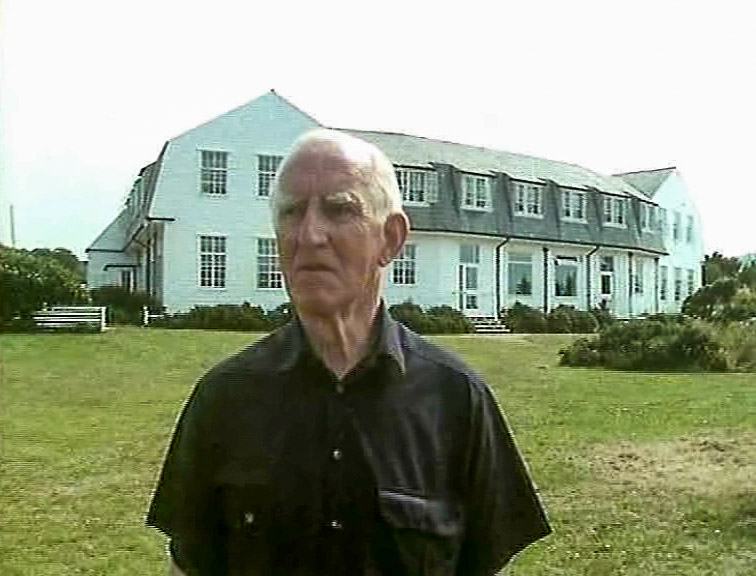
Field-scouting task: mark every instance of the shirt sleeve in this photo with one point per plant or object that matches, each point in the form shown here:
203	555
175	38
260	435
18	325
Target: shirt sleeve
183	505
504	513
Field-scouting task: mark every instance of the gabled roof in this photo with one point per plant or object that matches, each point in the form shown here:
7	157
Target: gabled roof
647	181
113	237
403	149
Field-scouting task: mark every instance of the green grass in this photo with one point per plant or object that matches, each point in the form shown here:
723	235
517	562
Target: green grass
641	473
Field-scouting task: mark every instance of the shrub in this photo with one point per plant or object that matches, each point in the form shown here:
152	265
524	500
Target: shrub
411	315
27	282
437	320
603	315
657	343
582	352
740	339
243	317
447	320
524	319
124	305
280	315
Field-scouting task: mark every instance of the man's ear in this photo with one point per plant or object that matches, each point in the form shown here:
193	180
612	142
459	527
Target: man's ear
395	232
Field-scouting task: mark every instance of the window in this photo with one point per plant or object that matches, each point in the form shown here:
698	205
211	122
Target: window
476	192
469	254
214	172
417	186
614	211
663	220
520	274
638	278
528	199
405	268
212	263
678	284
268	266
565	276
126	279
676	227
689	230
607	273
267	166
648	216
663	282
691	282
573	205
469	257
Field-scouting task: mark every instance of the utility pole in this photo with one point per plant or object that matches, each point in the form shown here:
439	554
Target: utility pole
12	227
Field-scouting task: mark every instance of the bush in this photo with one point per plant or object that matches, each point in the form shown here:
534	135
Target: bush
603	315
447	320
243	317
524	319
437	320
280	315
124	305
657	343
27	282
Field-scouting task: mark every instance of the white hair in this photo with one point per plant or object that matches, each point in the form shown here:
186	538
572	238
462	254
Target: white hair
371	168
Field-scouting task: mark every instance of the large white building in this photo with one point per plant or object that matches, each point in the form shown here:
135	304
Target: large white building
489	228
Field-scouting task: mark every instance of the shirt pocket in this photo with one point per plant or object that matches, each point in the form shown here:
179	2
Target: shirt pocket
246	512
424	534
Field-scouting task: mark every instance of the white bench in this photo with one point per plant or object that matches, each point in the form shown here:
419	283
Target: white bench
71	316
148	316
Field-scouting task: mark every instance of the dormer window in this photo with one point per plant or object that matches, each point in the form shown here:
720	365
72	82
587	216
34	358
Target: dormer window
614	211
528	199
573	205
476	192
648	216
417	186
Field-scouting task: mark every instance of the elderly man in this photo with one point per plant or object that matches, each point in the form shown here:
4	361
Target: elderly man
343	443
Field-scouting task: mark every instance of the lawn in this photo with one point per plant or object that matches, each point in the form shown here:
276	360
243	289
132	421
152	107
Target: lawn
642	473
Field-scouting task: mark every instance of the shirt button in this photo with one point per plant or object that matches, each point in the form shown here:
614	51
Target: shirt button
339	388
336	454
336	525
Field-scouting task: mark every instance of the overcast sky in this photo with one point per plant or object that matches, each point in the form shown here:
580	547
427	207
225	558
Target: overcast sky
90	90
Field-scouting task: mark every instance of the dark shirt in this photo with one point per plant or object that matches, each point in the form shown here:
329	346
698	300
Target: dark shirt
405	466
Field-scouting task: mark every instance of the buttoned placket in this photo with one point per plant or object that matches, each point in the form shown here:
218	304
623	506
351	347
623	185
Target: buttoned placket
334	474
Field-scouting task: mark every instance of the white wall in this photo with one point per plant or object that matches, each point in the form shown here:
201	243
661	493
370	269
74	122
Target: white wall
265	126
674	197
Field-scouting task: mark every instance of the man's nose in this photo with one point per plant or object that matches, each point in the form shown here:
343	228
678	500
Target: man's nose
313	226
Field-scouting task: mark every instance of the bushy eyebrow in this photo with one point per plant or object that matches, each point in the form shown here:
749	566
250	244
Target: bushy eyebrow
339	198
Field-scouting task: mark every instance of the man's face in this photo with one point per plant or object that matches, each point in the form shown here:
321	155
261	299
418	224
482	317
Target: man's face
330	247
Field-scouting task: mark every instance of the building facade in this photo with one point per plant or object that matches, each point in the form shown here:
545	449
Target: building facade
489	228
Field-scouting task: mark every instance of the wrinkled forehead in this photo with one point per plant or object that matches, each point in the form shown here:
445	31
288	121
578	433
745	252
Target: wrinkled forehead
330	164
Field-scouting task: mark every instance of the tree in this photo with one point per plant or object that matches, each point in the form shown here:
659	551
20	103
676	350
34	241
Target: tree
64	257
27	282
717	267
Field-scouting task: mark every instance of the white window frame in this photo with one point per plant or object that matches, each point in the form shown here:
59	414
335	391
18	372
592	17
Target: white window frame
268	258
515	259
267	166
418	187
476	192
404	271
469	267
615	211
689	230
691	281
528	199
214	172
573	205
218	265
678	287
638	279
563	262
676	225
648	216
663	282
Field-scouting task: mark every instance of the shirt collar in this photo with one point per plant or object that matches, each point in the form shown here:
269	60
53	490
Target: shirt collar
297	348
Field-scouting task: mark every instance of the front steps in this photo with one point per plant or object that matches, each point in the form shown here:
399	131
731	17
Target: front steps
488	325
